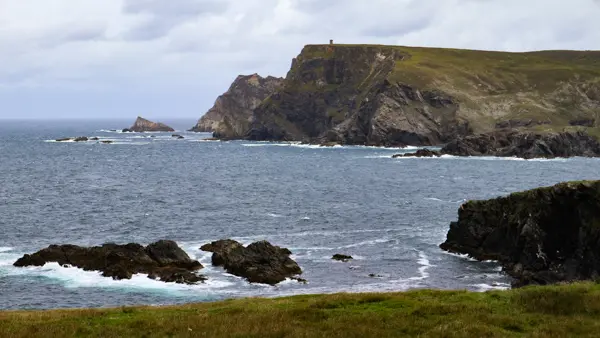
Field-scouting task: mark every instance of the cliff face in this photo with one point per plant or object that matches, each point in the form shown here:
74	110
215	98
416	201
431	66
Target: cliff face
541	236
387	95
230	116
143	125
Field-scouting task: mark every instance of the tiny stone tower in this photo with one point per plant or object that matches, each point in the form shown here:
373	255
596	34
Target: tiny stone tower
331	42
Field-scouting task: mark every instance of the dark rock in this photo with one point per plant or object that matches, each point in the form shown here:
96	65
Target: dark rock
342	258
81	139
542	236
584	122
177	136
126	130
94	139
420	153
517	123
259	262
525	145
142	125
106	142
329	144
168	253
63	139
163	260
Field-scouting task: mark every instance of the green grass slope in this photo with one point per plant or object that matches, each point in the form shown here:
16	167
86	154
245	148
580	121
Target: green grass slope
553	311
551	86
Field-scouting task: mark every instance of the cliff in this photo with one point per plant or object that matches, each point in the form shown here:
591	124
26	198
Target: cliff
390	95
230	116
541	236
142	125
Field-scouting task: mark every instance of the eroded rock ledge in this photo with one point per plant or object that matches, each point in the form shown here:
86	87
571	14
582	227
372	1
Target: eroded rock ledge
541	236
518	144
259	262
163	260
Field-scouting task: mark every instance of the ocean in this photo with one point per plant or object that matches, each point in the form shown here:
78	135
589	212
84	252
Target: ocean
389	214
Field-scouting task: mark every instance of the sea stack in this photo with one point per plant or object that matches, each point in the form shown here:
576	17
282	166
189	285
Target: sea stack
541	236
142	125
232	112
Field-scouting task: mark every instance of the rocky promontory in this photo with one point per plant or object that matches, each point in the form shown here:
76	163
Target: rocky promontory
541	236
525	145
231	114
162	260
142	125
259	262
396	96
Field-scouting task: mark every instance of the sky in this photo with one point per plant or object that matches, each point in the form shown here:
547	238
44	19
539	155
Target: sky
172	58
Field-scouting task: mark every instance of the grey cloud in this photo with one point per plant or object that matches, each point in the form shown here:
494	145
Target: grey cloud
165	15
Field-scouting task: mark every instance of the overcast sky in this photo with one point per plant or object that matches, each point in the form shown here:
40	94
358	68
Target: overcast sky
171	58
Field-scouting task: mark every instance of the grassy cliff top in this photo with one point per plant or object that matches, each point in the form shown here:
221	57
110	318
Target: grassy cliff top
552	311
552	86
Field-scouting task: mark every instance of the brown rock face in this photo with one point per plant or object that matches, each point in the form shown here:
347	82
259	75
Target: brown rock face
231	114
163	260
142	125
348	95
259	262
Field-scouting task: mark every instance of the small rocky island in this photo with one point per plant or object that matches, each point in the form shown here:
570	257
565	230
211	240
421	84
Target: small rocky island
259	262
163	260
541	236
142	125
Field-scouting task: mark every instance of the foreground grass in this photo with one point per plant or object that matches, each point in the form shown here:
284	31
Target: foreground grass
557	311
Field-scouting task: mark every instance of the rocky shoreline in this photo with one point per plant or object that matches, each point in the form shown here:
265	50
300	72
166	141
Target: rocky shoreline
259	262
541	236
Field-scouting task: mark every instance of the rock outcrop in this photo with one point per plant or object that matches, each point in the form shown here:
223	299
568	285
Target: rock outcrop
231	114
162	260
420	153
259	262
542	236
525	145
395	96
142	125
341	258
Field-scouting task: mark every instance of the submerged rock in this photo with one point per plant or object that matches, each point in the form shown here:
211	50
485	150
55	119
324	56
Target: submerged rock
94	139
162	260
259	262
106	141
64	139
342	258
143	125
420	153
177	136
541	236
525	145
126	130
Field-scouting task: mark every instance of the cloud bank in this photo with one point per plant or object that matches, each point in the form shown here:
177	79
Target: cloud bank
115	58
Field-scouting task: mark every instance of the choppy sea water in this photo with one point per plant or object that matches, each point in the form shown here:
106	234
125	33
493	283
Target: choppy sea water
390	214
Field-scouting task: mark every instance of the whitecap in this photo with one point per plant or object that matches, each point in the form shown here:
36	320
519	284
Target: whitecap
364	243
78	278
487	287
275	215
5	249
424	263
305	218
